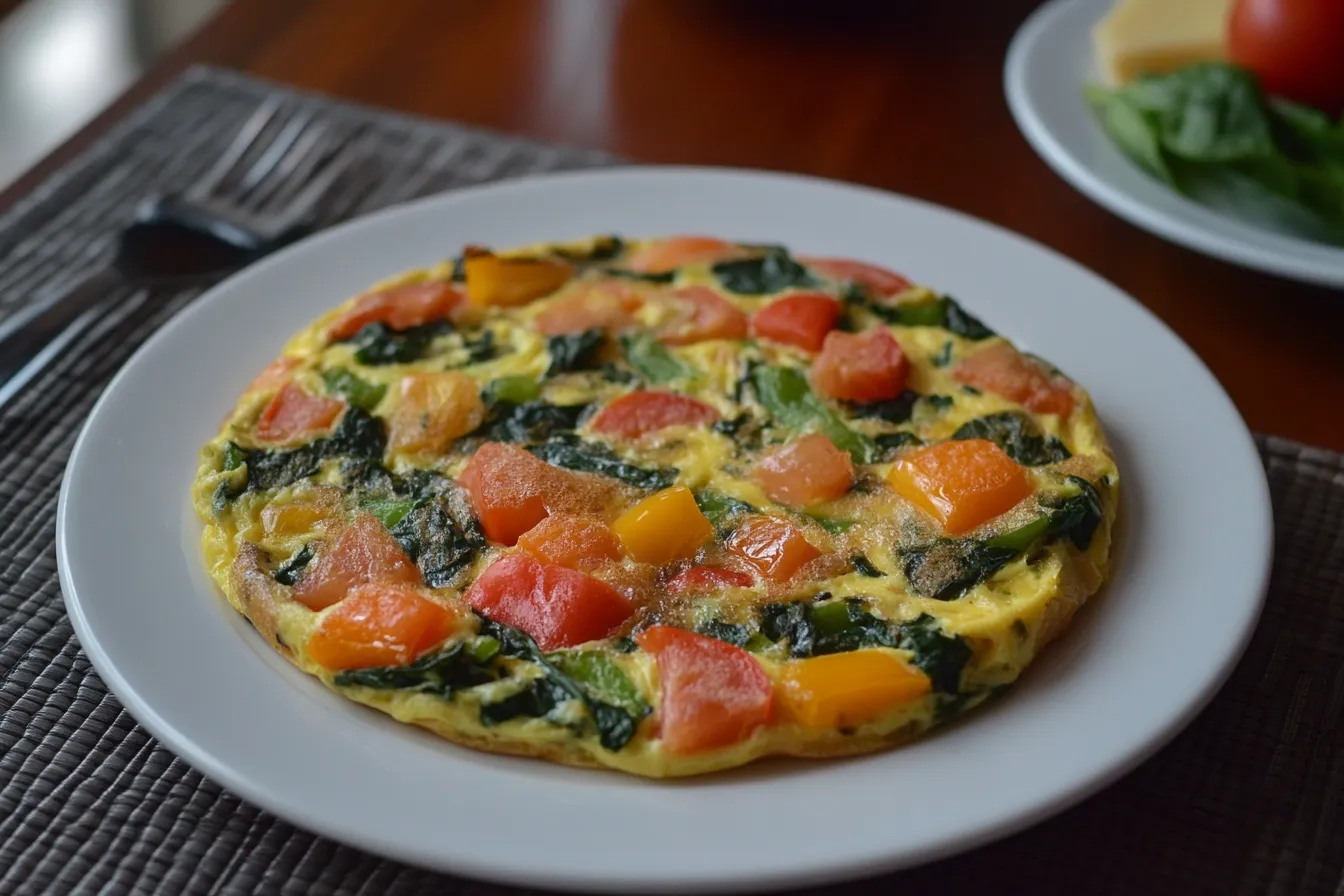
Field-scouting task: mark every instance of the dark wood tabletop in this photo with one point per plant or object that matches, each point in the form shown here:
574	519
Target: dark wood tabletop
904	94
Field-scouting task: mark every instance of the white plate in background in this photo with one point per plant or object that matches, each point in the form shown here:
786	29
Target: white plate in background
1049	62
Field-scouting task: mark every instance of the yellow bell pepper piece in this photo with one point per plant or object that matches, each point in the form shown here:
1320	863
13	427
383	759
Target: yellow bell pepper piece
847	689
663	527
492	280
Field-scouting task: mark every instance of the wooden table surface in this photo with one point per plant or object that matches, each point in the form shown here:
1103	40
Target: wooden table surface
904	94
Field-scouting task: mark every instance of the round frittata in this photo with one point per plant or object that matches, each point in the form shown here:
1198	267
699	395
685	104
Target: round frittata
664	506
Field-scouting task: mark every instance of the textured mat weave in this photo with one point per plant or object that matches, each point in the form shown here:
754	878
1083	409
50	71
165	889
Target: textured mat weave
1249	800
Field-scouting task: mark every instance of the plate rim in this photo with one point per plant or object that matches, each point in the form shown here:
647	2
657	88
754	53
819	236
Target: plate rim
1244	247
203	759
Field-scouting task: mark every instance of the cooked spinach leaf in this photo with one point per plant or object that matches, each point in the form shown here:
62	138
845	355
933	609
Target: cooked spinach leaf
614	373
360	393
442	539
864	567
719	508
822	626
232	486
288	573
573	453
602	248
613	702
442	674
785	393
771	272
893	410
940	403
958	320
943	357
831	524
1019	437
938	655
651	358
533	421
574	351
360	436
377	343
728	632
475	351
892	442
943	312
1077	517
646	276
947	568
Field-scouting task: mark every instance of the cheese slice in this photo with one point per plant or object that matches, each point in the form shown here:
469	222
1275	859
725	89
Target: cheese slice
1151	37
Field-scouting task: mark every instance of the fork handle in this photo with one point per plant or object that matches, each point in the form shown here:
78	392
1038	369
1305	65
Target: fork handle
30	338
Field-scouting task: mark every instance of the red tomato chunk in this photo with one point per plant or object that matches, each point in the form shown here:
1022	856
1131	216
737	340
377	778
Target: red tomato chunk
558	607
868	366
641	411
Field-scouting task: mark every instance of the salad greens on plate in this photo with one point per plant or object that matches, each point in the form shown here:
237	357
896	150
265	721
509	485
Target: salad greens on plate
1210	132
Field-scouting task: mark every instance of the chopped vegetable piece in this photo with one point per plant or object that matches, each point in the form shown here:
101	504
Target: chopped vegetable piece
379	344
1017	434
511	491
293	413
574	351
713	694
363	553
846	690
776	548
557	607
379	625
639	412
435	409
492	280
961	484
678	251
784	392
865	367
606	307
594	457
800	319
880	280
664	527
805	472
774	271
515	390
360	393
1003	370
707	315
651	359
399	307
578	542
707	579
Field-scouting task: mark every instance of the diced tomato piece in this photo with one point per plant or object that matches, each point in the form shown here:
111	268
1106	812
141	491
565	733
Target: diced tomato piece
677	251
713	694
665	526
805	472
608	307
1003	370
400	307
867	366
435	409
961	483
707	315
293	413
364	552
878	279
704	579
643	411
511	490
558	607
801	319
774	547
274	374
380	625
567	539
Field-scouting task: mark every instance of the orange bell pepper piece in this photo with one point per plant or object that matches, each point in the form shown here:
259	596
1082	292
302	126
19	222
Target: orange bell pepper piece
492	280
847	689
380	625
776	548
961	484
665	526
568	539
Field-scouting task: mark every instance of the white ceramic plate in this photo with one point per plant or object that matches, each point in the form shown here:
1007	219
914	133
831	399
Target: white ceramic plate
1140	662
1049	62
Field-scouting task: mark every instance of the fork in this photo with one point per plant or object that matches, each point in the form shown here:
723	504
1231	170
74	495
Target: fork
262	193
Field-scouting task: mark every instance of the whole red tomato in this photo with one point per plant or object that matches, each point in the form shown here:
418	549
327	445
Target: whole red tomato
1295	48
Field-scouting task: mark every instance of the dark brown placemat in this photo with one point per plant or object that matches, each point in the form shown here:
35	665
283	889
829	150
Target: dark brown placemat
1250	799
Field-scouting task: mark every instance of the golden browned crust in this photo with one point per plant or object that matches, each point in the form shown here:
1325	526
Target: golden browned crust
255	596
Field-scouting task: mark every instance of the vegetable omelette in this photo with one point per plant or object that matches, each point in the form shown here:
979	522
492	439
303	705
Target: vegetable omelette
664	506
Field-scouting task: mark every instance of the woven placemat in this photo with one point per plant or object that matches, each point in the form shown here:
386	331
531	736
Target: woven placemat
1250	799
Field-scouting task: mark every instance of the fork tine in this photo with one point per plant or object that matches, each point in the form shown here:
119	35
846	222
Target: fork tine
295	169
274	154
247	136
